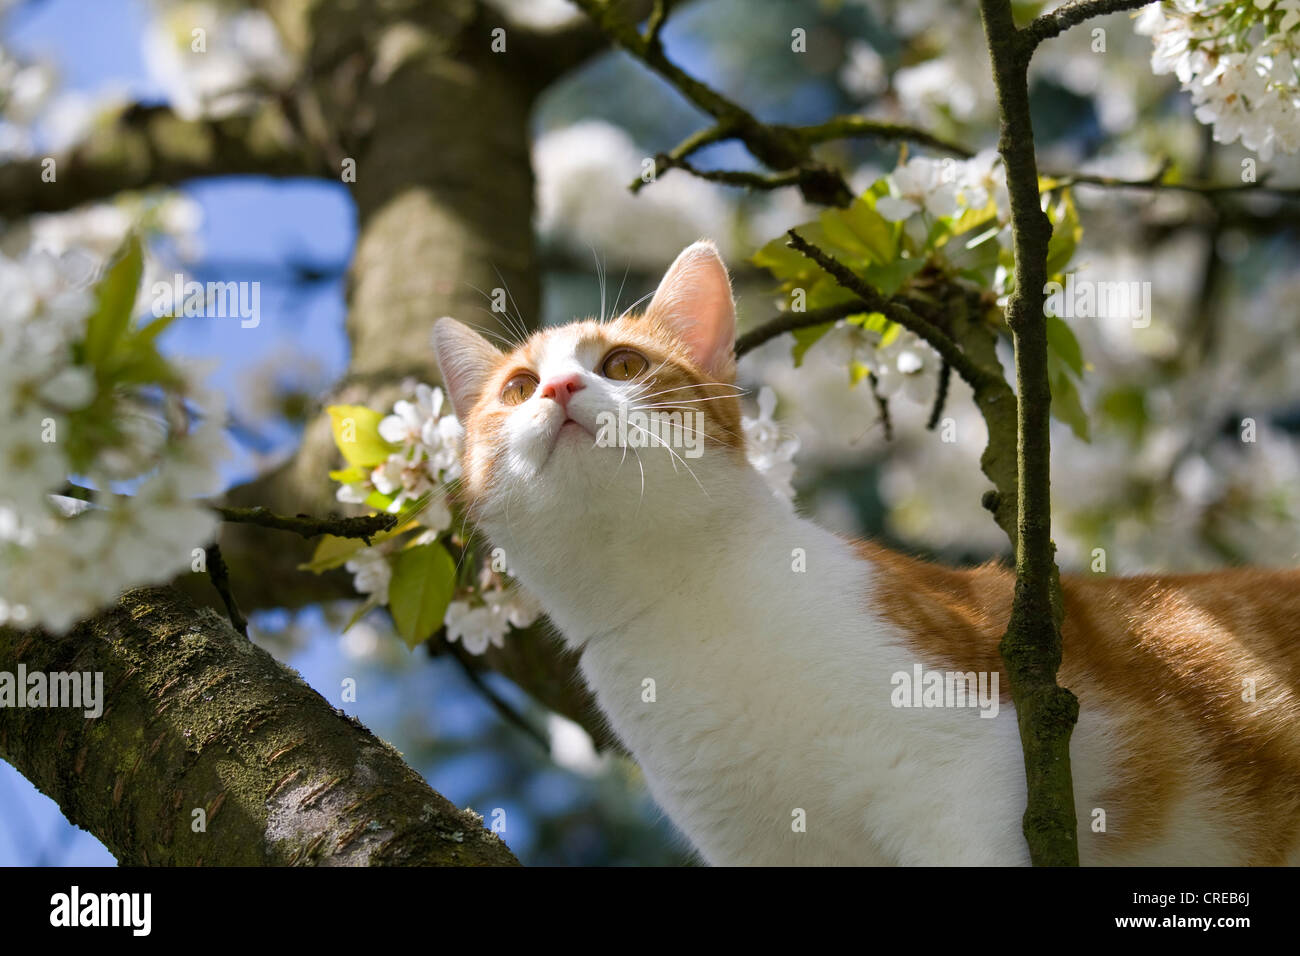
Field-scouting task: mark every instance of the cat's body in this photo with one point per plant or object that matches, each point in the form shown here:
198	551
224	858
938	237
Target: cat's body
749	659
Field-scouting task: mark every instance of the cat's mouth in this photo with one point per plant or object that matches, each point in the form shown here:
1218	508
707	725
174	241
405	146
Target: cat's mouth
569	431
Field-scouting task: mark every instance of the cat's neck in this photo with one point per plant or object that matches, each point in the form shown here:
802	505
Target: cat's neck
598	572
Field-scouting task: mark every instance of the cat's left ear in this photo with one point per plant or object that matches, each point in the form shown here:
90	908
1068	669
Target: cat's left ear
466	359
694	300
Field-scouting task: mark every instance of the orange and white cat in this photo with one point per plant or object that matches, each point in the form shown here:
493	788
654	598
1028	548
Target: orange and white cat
776	683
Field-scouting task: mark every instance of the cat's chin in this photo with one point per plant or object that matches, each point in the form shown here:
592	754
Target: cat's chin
571	439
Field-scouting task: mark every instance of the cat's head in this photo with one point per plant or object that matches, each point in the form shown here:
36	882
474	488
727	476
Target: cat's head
603	414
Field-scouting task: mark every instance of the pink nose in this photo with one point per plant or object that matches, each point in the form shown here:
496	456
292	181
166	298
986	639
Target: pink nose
561	389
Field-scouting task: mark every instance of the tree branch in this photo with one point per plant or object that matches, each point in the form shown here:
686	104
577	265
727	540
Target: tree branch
149	146
893	310
364	526
1031	647
779	148
195	717
790	321
550	52
1055	22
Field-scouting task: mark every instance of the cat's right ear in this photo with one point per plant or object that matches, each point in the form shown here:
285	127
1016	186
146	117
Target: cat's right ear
466	359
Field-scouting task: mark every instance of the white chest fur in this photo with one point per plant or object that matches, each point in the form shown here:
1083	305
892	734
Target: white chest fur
741	663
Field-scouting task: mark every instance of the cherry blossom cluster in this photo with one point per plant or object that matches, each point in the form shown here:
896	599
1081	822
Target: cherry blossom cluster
1239	62
110	417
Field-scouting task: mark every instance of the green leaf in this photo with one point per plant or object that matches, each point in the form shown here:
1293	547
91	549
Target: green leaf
368	605
1066	233
888	278
1066	404
1061	340
424	580
356	432
865	227
780	260
332	552
140	364
114	302
150	332
350	475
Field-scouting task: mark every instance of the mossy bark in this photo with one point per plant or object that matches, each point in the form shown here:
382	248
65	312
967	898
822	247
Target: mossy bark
1031	647
196	717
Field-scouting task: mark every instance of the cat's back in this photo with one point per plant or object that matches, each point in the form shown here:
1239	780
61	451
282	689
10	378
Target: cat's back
1189	687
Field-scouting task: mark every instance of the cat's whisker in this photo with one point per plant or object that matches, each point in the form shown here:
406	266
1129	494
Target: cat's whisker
703	434
600	279
690	471
682	388
493	333
614	307
688	401
515	325
635	304
519	315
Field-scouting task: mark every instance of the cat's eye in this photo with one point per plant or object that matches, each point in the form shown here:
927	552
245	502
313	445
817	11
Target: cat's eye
623	364
518	389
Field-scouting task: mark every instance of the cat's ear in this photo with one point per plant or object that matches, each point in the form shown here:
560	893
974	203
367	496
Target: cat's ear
466	360
694	300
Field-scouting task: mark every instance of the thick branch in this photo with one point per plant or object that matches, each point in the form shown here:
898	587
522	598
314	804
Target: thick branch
196	717
550	52
1031	647
149	146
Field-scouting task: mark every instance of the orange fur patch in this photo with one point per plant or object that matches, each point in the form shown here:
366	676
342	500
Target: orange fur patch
1168	658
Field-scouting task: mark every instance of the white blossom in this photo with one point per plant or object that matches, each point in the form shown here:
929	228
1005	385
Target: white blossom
476	626
60	562
770	454
371	573
1239	63
920	183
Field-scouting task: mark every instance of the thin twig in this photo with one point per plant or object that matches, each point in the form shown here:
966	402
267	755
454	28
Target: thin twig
498	703
364	527
940	396
220	575
792	321
893	310
1055	22
882	404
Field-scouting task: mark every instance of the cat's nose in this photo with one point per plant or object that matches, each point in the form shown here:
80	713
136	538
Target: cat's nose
561	388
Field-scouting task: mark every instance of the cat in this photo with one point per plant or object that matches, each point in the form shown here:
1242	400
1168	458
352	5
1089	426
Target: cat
770	677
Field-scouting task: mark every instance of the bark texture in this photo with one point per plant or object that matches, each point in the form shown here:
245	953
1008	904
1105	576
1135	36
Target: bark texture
196	717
